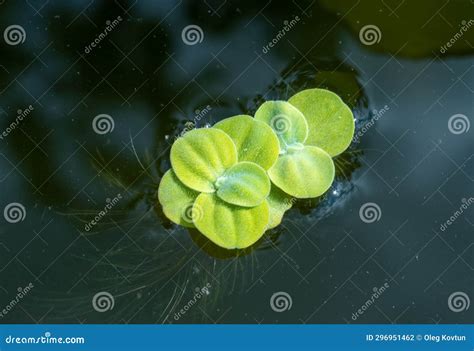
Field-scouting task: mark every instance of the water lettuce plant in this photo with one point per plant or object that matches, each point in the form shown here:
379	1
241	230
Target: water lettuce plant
235	180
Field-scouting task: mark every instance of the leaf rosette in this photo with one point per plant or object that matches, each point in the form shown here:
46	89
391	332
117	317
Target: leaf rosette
234	181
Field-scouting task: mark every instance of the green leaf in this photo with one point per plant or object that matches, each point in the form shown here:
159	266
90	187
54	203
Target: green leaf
244	184
330	120
288	123
303	173
176	199
201	156
255	141
279	202
230	226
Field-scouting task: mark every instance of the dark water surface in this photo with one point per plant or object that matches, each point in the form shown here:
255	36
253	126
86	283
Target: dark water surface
412	166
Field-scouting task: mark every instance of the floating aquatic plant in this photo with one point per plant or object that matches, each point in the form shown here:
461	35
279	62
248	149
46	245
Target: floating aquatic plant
235	180
330	120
